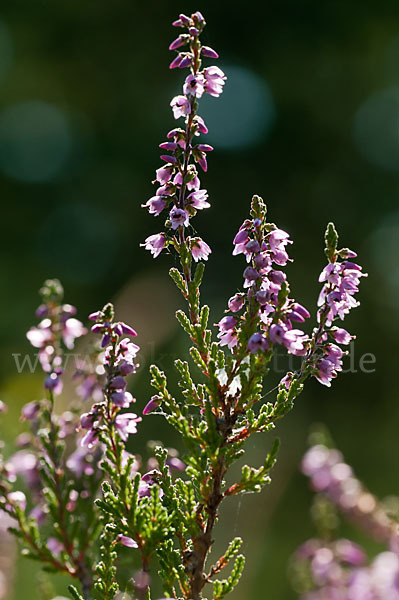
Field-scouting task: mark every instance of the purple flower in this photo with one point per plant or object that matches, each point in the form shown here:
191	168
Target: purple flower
180	106
194	85
117	383
236	302
155	205
241	238
294	340
126	368
126	541
122	399
152	405
200	249
179	217
40	335
198	199
72	329
155	244
30	411
341	336
227	323
164	174
298	313
175	464
94	316
178	42
126	351
209	52
278	239
201	159
87	420
53	383
168	158
251	274
257	342
214	81
228	339
90	439
126	424
326	371
277	333
202	128
180	62
193	183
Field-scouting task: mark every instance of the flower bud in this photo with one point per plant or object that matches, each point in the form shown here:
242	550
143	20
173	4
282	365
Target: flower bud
152	405
209	52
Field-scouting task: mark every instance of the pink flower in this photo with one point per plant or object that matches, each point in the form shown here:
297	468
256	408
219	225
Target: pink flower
126	541
122	399
164	174
228	339
73	329
40	335
152	405
155	244
194	85
179	217
341	336
209	52
236	302
257	342
198	199
200	249
214	81
155	205
180	106
126	424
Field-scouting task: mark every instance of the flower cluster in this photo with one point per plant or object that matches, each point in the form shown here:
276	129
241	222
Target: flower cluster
340	570
179	185
330	475
58	328
340	280
271	313
119	361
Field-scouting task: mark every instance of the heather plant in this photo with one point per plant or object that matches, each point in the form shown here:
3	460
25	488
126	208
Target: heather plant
328	566
81	503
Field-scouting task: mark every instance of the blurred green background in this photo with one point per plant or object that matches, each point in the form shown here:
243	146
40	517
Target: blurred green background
309	120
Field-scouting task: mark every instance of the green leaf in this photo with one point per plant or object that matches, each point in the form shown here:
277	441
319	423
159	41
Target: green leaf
199	273
204	316
74	593
184	322
179	280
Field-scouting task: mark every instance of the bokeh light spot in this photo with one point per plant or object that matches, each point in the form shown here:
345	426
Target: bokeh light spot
383	250
35	141
243	115
376	129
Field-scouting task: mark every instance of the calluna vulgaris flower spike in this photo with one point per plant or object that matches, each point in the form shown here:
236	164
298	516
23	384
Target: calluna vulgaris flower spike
96	500
331	567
